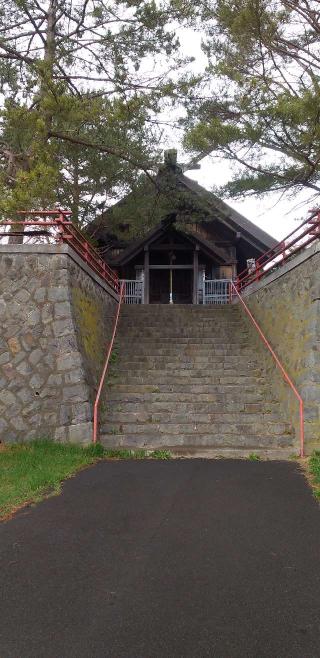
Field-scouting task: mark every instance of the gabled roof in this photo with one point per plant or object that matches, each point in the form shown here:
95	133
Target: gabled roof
232	217
170	186
153	235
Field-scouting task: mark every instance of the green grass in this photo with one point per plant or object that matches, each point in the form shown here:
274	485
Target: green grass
253	457
314	466
32	471
115	453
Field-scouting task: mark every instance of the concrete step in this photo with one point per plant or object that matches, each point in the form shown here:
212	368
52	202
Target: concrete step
226	411
189	378
184	378
194	360
199	428
156	441
205	452
186	370
152	394
173	352
210	331
196	339
196	452
191	308
193	416
188	387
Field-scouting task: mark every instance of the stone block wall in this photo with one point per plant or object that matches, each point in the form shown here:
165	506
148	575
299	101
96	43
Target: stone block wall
287	306
56	318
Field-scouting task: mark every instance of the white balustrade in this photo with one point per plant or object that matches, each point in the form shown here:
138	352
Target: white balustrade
133	292
216	291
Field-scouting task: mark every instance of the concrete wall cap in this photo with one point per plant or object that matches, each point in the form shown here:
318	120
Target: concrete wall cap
57	249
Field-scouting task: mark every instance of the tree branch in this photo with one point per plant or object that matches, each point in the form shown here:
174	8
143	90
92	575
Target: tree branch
105	149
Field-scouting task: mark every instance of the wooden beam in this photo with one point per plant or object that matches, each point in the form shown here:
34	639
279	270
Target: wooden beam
170	267
146	299
195	276
170	247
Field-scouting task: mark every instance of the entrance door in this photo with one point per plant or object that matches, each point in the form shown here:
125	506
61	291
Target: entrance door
182	286
160	286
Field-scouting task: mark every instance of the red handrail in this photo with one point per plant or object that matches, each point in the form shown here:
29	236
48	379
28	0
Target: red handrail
290	245
68	233
280	366
105	368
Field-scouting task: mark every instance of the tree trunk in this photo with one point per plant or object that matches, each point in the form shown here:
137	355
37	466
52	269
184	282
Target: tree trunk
16	236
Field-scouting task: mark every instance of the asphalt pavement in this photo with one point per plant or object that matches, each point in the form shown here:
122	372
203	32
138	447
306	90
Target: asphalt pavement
155	559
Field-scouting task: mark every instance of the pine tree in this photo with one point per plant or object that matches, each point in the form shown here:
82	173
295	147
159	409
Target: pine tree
82	83
263	110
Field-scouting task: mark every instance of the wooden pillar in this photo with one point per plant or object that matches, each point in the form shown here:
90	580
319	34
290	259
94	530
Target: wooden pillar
146	276
195	275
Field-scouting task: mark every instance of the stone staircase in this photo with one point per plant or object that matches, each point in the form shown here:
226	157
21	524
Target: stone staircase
188	378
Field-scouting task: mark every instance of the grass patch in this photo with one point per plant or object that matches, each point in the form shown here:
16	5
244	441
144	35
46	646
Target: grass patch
116	453
32	471
314	467
161	454
253	457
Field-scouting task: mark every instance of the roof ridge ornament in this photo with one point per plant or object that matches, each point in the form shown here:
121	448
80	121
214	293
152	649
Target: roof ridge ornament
170	161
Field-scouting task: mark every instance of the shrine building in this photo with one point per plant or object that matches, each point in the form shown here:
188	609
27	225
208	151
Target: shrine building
172	241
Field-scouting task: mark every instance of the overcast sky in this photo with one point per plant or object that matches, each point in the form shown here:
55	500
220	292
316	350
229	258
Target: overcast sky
275	215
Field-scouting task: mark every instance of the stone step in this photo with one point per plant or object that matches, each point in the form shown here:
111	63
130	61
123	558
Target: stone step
189	377
150	415
170	329
196	339
181	337
183	320
186	370
196	452
198	428
154	312
202	359
157	441
178	352
205	452
191	308
188	387
185	377
228	411
148	396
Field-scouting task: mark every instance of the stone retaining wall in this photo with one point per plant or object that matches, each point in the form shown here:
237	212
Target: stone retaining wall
56	318
287	306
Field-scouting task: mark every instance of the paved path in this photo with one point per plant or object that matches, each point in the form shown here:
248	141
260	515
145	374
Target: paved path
165	559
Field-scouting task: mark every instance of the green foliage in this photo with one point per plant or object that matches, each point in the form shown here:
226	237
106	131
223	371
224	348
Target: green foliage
81	94
253	457
155	200
35	470
314	466
31	471
160	454
262	112
115	453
